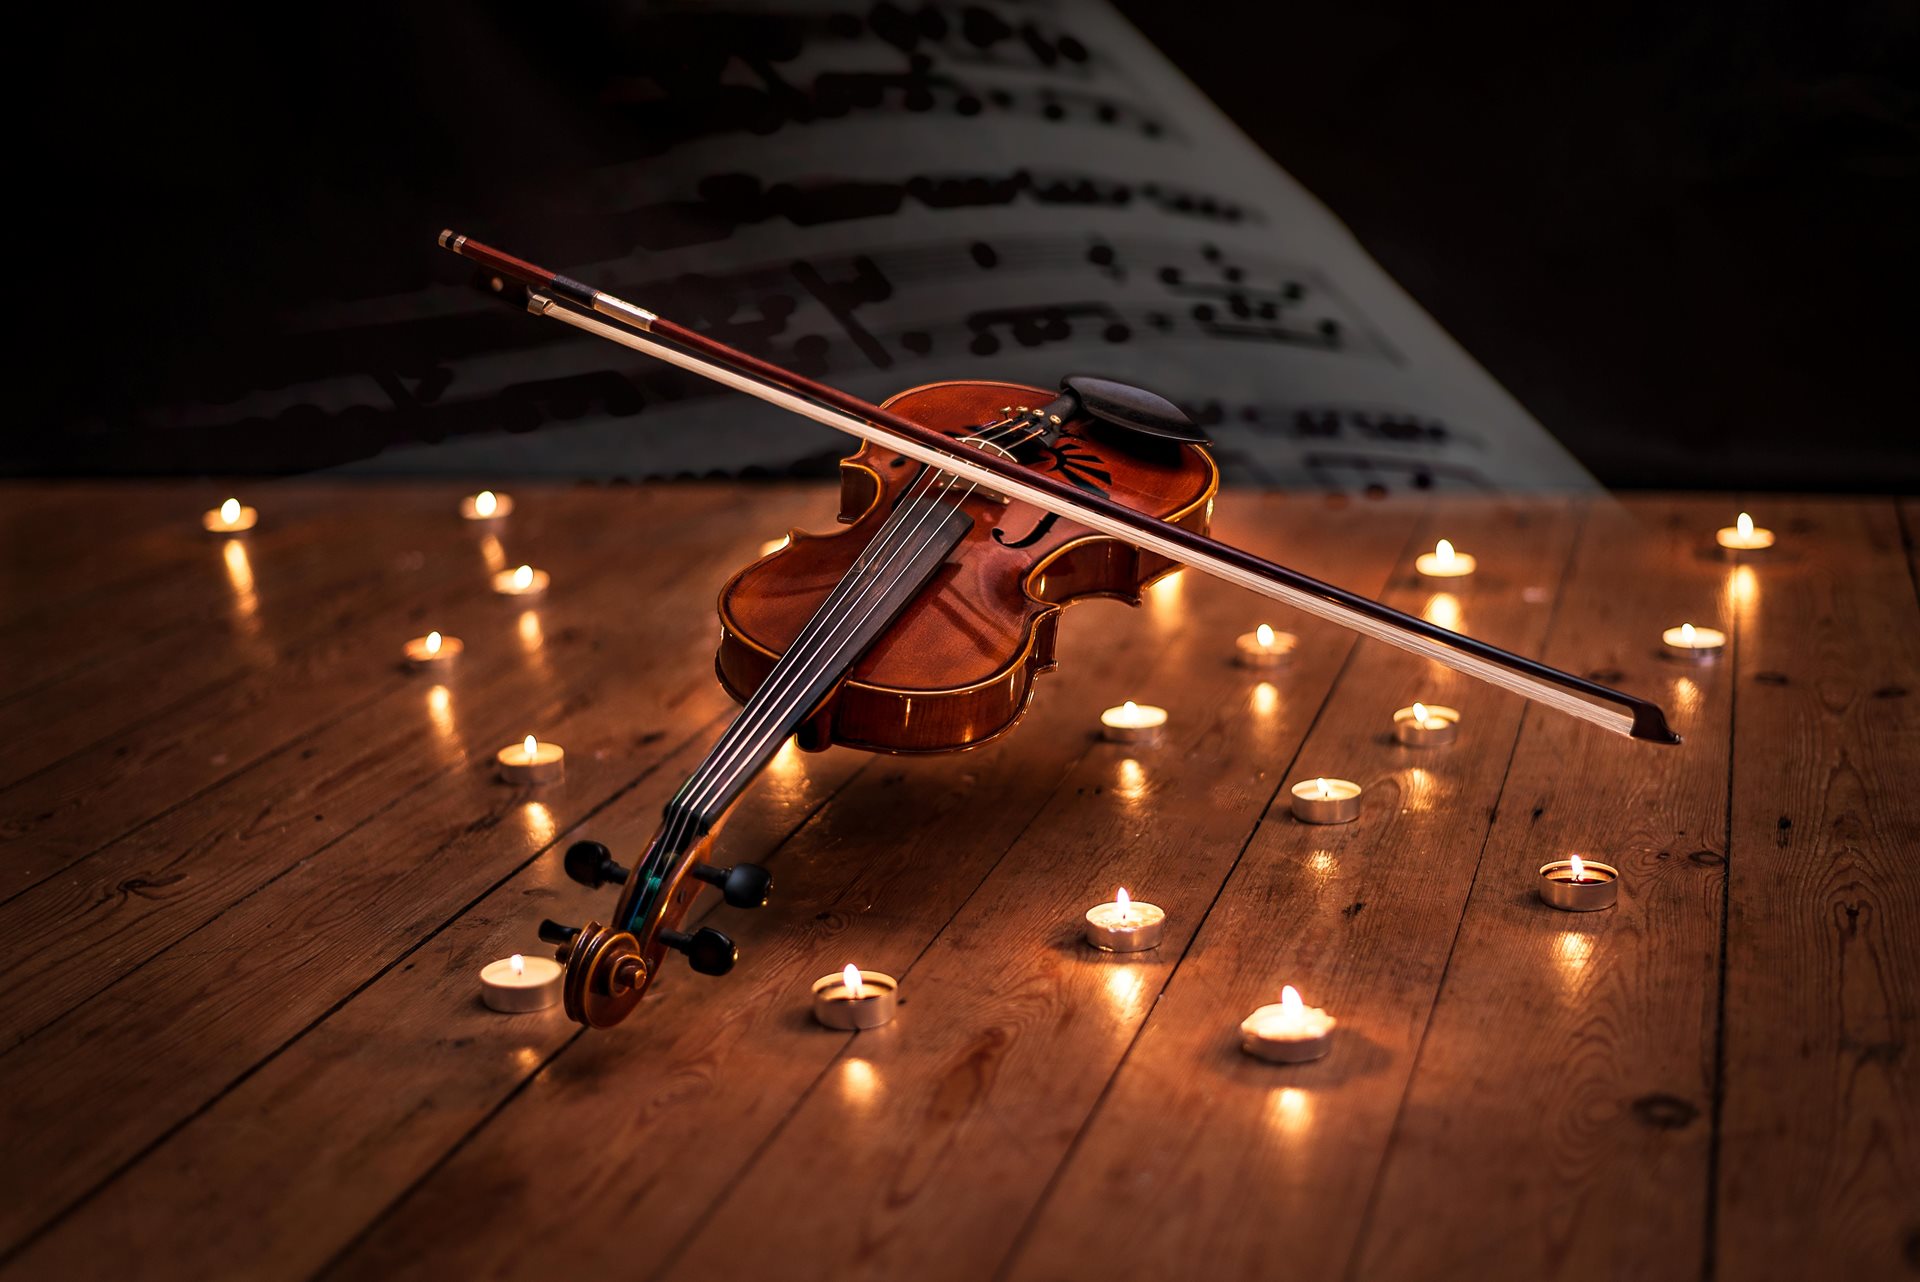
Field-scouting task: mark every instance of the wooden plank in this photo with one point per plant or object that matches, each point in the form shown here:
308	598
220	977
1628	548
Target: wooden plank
1565	1075
718	1088
1190	1124
404	573
322	919
1820	1116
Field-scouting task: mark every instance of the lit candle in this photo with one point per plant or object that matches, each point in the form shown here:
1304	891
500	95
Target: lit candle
855	999
486	506
1264	648
1742	538
1577	885
1290	1032
519	984
1125	926
1326	801
433	651
1133	723
1444	563
523	582
531	761
1426	726
1694	645
230	517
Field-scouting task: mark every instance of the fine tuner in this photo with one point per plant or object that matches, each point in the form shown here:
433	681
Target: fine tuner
984	501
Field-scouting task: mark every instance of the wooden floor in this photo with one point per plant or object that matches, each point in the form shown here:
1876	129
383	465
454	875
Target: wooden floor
252	868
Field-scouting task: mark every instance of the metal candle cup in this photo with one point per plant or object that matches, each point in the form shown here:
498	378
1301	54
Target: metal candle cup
485	506
1326	801
1426	725
837	1004
1125	925
532	762
1264	648
1688	644
1444	563
514	985
524	582
433	651
1133	723
1742	539
1579	885
1287	1032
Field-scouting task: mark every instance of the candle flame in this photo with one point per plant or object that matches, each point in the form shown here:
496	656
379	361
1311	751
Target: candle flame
1264	635
484	503
1124	902
1579	867
856	986
1744	525
1443	552
1420	712
1686	634
1321	786
1290	1000
518	963
1130	708
433	643
531	746
230	511
523	577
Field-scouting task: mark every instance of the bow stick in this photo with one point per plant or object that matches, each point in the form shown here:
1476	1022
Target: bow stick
552	293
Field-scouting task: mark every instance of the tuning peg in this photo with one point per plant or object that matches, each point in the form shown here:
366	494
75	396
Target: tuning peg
591	864
556	933
742	886
708	951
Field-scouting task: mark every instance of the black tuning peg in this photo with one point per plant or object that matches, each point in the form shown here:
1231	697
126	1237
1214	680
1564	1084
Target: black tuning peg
708	951
591	864
556	933
742	886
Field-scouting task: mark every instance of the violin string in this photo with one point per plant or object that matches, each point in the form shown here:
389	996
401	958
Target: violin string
920	505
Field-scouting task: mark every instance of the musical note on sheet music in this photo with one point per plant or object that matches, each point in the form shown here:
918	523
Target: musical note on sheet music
886	195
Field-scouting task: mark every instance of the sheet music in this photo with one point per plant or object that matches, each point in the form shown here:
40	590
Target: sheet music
899	197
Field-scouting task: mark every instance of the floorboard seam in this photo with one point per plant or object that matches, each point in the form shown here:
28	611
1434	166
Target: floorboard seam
46	1226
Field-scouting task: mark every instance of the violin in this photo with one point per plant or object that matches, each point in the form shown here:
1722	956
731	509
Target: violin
974	512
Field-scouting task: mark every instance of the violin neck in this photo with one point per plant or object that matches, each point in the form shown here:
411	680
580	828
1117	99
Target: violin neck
902	558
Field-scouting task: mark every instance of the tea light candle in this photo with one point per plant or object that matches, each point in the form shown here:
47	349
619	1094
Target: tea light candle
531	761
1694	645
433	651
1125	926
1444	563
486	506
1426	726
231	517
1264	648
855	999
1326	801
1742	538
1290	1032
1133	723
525	582
1577	886
516	984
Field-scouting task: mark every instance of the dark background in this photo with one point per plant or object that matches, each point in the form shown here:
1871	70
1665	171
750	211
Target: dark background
1683	239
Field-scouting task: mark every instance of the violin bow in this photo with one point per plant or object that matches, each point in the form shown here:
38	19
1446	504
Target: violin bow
571	302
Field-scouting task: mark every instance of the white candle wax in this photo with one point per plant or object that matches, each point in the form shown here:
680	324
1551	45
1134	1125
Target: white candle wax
531	761
1444	563
1426	725
433	651
1326	801
525	582
855	999
1264	648
1694	645
1125	925
1742	538
1288	1032
514	985
1133	723
231	517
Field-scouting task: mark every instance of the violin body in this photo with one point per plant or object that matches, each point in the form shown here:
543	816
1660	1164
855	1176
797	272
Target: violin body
957	667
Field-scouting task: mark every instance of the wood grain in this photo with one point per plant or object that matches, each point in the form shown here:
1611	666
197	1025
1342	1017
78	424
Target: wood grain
1562	1092
1189	1120
1819	1170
